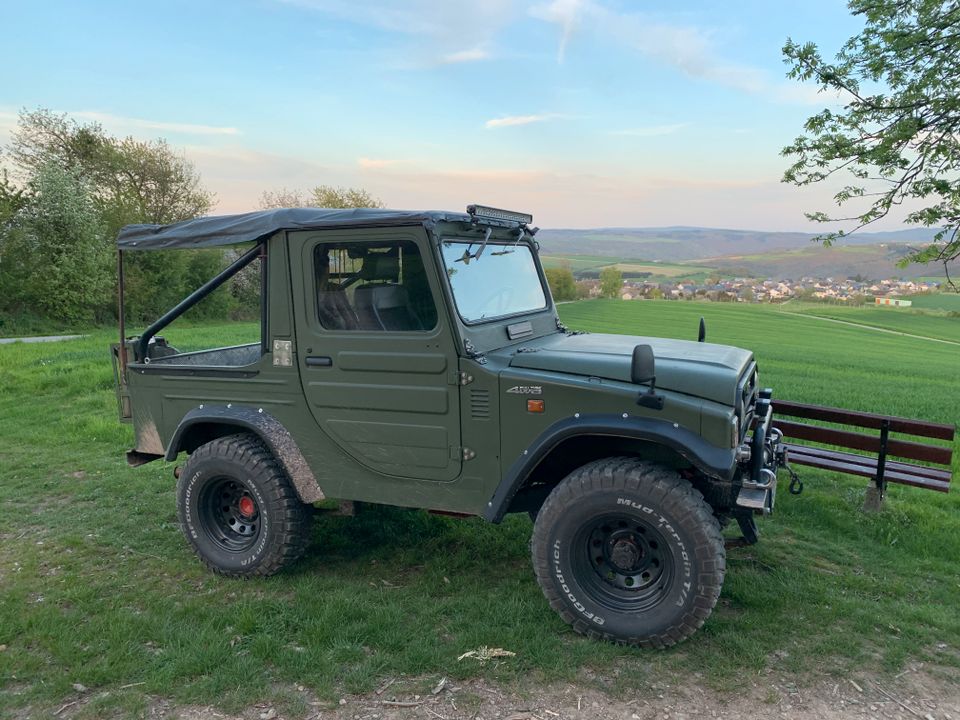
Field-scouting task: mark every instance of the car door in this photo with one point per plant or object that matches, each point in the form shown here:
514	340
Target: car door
376	354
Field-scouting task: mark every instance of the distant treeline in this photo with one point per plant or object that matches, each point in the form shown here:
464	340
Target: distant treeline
67	188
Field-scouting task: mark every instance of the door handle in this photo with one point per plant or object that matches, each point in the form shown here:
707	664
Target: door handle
320	361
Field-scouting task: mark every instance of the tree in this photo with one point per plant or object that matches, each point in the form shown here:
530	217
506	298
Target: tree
282	198
132	181
147	182
12	199
611	282
561	282
125	181
328	196
44	138
897	139
323	196
53	261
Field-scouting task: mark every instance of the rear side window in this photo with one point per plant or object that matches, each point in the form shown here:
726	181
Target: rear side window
373	286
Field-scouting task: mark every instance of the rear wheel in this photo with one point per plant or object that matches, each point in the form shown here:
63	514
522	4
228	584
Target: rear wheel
627	550
239	510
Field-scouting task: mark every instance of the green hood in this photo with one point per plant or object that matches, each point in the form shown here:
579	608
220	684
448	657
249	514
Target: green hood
700	369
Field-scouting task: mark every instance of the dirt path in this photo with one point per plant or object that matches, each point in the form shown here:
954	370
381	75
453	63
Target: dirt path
872	327
39	339
917	693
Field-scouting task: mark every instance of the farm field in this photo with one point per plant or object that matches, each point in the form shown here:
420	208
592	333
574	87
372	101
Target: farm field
98	587
579	263
949	302
904	320
594	263
838	261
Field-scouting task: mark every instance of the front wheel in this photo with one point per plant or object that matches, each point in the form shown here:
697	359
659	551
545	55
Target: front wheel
239	510
629	551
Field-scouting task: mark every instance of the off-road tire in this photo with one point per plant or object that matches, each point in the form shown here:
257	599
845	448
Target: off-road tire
629	551
221	479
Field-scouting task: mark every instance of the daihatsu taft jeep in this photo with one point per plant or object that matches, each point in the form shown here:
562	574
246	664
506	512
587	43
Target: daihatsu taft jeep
416	359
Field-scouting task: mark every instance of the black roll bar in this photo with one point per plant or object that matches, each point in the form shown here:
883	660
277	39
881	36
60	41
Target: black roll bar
196	296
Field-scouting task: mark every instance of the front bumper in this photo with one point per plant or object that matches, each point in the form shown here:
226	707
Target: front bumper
760	458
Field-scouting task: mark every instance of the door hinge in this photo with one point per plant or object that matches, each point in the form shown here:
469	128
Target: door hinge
462	453
458	377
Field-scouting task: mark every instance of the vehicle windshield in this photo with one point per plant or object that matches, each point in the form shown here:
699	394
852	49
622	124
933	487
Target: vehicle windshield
502	281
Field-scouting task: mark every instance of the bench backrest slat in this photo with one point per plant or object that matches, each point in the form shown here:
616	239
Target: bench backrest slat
870	443
840	464
865	420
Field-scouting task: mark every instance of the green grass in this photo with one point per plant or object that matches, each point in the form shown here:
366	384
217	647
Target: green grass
26	324
580	264
98	587
947	301
923	321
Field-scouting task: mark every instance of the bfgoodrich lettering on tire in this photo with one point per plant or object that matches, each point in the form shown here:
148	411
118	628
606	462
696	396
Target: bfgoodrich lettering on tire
239	510
629	551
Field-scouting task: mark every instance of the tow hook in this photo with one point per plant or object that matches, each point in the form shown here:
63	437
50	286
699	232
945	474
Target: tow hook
796	484
783	460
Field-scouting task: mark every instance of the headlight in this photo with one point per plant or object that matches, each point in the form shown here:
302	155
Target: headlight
734	431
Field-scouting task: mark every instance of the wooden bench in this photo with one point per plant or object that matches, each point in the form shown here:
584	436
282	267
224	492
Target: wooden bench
935	475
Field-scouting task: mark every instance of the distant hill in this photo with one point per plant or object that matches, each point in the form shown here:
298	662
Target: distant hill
838	261
750	253
673	244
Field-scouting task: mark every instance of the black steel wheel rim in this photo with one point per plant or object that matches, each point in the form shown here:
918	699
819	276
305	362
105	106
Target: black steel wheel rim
623	563
230	514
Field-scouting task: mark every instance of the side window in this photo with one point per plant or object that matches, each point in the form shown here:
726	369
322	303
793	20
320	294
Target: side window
373	286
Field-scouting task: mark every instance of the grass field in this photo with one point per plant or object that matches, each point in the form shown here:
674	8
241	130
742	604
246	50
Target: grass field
934	324
98	587
947	301
838	261
580	264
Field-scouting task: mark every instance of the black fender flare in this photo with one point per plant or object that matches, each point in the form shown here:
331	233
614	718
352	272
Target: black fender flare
711	460
263	425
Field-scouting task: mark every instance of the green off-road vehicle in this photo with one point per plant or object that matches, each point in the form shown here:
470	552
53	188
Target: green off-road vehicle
416	359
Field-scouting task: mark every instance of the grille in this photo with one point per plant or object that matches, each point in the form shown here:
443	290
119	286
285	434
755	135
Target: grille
480	404
747	399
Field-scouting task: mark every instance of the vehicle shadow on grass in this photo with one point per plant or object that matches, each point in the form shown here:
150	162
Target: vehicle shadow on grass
381	531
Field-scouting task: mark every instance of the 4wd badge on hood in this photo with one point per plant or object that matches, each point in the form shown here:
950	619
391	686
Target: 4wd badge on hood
526	390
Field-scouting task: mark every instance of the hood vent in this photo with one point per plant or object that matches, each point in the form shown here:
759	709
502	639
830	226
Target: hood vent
480	404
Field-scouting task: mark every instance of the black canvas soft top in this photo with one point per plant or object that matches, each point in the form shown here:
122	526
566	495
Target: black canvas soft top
217	230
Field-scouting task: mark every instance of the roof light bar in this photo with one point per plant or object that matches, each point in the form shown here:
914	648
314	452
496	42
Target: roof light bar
490	213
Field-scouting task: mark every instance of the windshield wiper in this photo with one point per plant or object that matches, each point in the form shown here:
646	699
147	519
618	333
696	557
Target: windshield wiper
467	257
507	251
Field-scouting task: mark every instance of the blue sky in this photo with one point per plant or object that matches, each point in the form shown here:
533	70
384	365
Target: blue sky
586	112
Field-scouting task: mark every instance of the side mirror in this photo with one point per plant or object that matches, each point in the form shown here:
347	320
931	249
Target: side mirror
642	369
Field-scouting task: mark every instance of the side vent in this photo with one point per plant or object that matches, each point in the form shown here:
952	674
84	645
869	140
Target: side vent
480	404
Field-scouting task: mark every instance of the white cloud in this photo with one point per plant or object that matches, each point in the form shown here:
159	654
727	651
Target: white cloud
119	123
512	120
687	48
652	130
374	163
462	56
566	14
457	31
